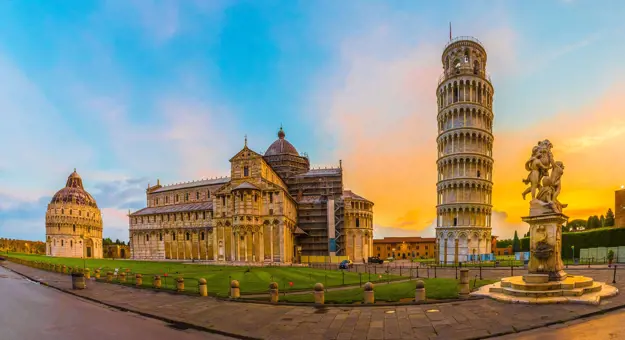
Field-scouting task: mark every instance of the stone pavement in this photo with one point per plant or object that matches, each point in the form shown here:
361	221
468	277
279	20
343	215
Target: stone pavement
455	320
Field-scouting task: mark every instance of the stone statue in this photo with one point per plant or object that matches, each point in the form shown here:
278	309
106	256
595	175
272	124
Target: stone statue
539	178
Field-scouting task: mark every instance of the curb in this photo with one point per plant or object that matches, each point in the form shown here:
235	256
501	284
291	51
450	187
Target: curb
152	316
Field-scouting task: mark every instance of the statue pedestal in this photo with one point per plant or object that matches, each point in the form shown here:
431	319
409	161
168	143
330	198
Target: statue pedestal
546	245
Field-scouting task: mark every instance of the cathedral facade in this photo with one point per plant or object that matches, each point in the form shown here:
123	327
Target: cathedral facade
273	208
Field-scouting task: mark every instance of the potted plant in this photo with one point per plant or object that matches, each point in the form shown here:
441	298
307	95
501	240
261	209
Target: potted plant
610	257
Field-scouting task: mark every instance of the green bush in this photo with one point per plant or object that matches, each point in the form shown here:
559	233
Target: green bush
602	237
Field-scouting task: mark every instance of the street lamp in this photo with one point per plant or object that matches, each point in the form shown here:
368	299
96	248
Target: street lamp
573	255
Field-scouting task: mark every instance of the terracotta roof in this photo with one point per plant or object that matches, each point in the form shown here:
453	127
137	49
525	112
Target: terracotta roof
246	185
281	146
405	239
74	192
174	208
353	196
193	184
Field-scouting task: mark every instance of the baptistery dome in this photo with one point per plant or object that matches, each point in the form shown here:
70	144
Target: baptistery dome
73	222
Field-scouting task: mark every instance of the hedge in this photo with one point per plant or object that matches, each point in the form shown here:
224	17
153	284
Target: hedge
602	237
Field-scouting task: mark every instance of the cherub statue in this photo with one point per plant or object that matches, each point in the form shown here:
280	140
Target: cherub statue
538	166
556	175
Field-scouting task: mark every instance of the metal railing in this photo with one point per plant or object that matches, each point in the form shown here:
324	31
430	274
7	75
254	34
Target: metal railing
462	71
467	38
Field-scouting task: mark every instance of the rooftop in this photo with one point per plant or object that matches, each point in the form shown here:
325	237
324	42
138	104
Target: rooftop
192	184
174	208
321	172
408	239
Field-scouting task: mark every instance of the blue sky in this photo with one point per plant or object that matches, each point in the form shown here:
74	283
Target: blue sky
131	91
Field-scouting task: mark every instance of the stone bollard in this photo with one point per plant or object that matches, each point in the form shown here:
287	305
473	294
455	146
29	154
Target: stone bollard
464	282
78	281
202	287
180	284
138	280
64	269
319	294
57	268
156	282
368	293
419	294
87	272
122	277
273	292
109	276
97	273
235	291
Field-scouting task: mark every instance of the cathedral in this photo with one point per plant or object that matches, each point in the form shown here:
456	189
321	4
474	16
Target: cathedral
273	208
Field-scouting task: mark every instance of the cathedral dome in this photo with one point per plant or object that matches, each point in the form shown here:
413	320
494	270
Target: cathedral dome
281	146
74	192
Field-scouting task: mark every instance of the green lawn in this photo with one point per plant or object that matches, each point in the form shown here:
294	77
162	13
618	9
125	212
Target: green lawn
434	289
251	279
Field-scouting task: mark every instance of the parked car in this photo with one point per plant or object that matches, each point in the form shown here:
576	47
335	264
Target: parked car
375	259
346	264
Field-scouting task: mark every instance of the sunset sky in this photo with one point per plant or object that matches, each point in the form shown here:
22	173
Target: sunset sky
131	91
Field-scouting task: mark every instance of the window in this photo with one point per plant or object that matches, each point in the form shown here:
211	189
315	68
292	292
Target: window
177	198
378	248
62	211
246	171
188	236
175	217
79	212
202	235
59	228
62	243
203	215
208	194
166	199
74	227
70	211
223	201
186	197
173	236
357	222
196	216
197	195
271	197
147	238
71	243
188	216
478	174
167	217
270	211
160	236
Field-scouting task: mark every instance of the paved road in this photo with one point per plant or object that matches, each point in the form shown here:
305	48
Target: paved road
31	311
608	326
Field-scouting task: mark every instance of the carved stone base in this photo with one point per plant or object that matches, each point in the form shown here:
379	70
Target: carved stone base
546	245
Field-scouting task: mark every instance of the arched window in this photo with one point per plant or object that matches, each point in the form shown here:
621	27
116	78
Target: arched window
79	212
246	171
203	215
208	194
202	236
62	211
166	199
188	236
196	216
74	227
70	211
71	243
160	236
197	195
173	236
357	222
177	198
147	238
62	243
186	197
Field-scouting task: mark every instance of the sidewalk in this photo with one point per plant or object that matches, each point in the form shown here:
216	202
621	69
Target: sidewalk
457	320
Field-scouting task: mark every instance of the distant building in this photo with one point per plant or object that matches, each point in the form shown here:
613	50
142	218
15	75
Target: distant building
404	247
73	222
22	246
619	208
116	251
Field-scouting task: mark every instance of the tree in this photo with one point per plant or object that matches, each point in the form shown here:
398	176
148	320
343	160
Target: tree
516	243
503	243
577	225
602	221
609	218
116	241
107	241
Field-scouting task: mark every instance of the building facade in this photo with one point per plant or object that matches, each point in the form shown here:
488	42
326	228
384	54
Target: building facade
619	208
273	208
73	222
404	248
22	246
465	143
116	251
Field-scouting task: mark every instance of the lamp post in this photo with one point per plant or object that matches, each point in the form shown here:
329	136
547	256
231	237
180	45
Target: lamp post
573	254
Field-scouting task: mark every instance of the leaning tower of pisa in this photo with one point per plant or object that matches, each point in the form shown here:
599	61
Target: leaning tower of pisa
465	163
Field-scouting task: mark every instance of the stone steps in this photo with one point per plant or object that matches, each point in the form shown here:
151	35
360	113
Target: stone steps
579	291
